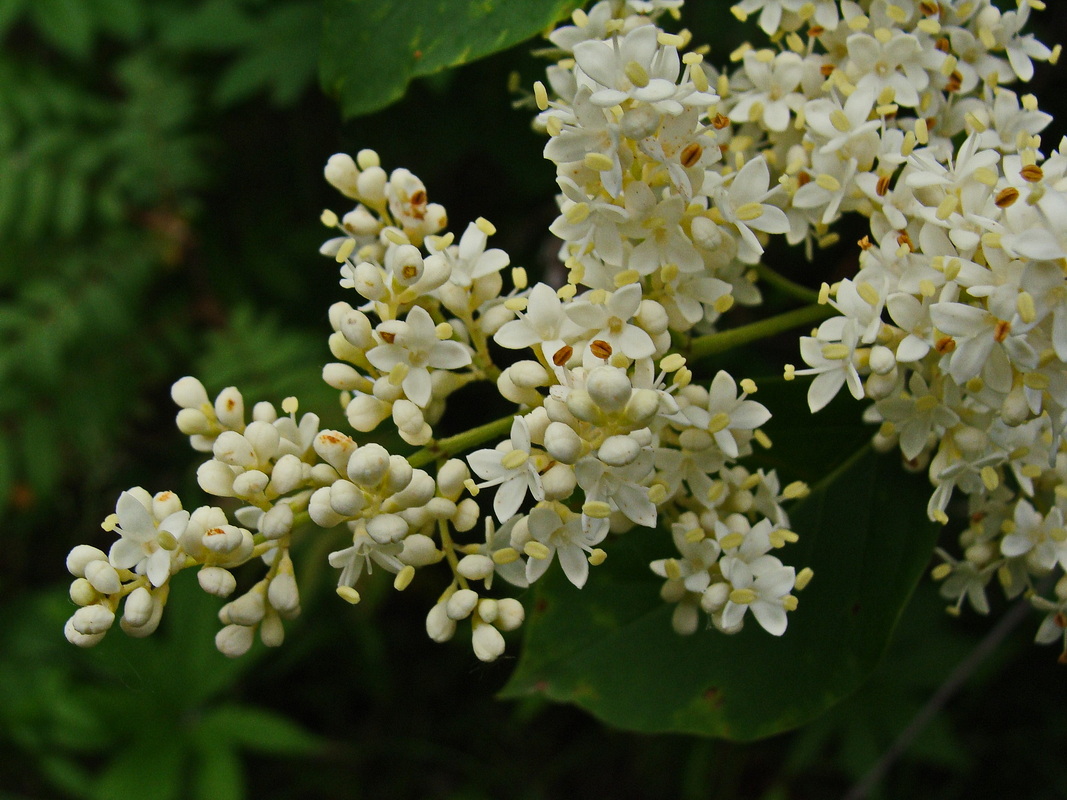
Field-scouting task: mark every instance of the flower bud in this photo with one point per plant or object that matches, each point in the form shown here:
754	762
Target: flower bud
398	475
475	567
320	510
417	493
563	443
248	609
419	551
357	330
618	451
609	387
408	417
685	619
559	482
439	625
450	478
230	408
103	577
488	642
277	522
371	185
461	604
346	498
335	448
188	392
272	631
466	517
494	318
368	464
341	173
1015	410
222	539
192	421
80	639
82	592
387	528
652	317
368	281
94	619
264	412
250	483
509	614
405	263
366	412
642	406
81	556
283	594
287	475
234	640
714	597
528	374
582	406
138	608
215	478
343	377
509	390
217	581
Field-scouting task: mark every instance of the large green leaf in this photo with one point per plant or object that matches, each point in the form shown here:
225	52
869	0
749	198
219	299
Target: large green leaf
610	648
371	49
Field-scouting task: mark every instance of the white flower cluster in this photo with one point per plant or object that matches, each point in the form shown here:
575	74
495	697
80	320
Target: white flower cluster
672	177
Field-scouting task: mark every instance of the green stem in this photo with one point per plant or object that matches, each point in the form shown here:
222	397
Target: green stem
715	343
452	445
786	286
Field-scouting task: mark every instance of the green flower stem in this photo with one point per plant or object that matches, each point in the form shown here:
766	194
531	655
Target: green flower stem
452	445
715	343
786	286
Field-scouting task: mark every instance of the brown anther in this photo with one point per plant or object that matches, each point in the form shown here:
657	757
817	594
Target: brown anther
954	81
409	272
803	178
1060	619
930	8
724	148
826	70
1001	330
977	517
931	123
865	243
419	198
882	187
231	404
333	438
563	355
943	45
215	532
904	239
1031	173
387	337
816	30
691	154
165	496
720	121
599	348
1005	197
946	344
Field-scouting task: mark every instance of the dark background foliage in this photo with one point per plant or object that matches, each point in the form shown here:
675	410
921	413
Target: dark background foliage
160	183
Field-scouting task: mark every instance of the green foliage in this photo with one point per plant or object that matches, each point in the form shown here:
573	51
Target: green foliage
158	715
610	647
372	49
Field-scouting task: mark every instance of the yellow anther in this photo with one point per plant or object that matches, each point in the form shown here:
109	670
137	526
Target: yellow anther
941	571
839	119
978	126
596	509
824	294
927	288
516	303
348	594
1027	310
471	487
762	439
345	250
329	219
748	386
566	292
719	422
796	490
671	568
828	182
922	131
868	293
637	74
790	372
395	236
519	278
577	213
929	26
290	405
723	304
672	362
598	162
731	540
803	579
554	126
403	578
485	226
695	535
835	352
514	459
536	550
508	555
540	95
749	212
597	556
657	494
626	277
1036	381
947	205
743	596
790	603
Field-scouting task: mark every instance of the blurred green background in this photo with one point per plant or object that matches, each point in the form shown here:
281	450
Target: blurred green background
160	186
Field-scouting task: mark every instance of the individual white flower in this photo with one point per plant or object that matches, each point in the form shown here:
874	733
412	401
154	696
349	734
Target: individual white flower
415	344
897	64
511	469
725	413
773	97
149	543
609	322
831	358
742	205
759	586
543	323
563	537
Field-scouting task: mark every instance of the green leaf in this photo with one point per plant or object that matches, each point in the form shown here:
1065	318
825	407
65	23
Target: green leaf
610	648
148	769
371	49
219	775
67	24
256	729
